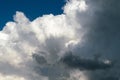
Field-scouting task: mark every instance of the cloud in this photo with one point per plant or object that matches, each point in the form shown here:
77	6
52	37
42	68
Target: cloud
21	38
86	27
2	77
102	37
75	62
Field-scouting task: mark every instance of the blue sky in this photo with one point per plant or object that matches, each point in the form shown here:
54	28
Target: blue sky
32	8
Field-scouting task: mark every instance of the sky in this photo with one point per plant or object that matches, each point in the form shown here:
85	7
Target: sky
67	40
31	8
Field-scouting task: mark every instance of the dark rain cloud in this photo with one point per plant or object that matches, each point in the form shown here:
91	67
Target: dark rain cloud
76	62
103	36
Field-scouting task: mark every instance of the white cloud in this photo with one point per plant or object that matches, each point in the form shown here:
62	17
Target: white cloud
78	75
4	77
21	38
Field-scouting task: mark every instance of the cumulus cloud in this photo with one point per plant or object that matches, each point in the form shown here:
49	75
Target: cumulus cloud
86	27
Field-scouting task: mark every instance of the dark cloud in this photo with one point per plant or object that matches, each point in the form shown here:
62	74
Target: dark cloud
39	59
103	35
76	62
54	71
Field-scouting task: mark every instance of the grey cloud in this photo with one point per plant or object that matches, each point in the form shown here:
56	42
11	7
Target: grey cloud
76	62
103	35
53	71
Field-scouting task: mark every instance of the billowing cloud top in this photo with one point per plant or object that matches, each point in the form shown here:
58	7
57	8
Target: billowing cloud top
51	36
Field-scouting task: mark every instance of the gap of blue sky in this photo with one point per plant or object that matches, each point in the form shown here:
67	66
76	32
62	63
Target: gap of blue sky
32	8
